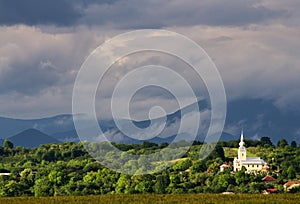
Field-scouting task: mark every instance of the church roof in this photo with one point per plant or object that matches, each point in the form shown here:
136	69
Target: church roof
253	160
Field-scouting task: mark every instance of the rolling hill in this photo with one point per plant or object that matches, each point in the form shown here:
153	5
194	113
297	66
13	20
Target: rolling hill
31	138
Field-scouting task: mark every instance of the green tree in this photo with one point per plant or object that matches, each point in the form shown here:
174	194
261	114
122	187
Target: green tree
56	177
107	180
8	144
218	152
14	188
221	181
282	143
241	177
162	181
257	187
43	187
198	166
291	171
182	165
123	184
143	183
27	180
266	141
294	144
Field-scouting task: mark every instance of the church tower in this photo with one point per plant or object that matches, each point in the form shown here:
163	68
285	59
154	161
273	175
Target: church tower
252	164
242	149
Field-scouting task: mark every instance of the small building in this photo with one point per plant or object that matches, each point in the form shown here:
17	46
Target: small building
291	184
252	164
225	166
268	179
270	190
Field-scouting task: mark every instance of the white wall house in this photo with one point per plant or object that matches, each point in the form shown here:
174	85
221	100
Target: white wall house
252	164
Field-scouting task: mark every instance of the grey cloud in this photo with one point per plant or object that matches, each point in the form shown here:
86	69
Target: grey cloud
28	78
32	61
33	12
155	14
131	14
258	61
44	12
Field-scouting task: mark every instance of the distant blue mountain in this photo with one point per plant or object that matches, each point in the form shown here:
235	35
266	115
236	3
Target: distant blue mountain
257	117
51	125
31	138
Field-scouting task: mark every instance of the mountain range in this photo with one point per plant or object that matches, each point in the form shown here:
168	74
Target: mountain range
257	117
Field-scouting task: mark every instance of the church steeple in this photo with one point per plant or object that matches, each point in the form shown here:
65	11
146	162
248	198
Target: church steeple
242	143
242	149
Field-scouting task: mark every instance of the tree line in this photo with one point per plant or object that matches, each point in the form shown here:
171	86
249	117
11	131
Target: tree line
67	169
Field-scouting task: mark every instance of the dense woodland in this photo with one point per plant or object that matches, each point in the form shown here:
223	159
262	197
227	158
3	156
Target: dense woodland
67	169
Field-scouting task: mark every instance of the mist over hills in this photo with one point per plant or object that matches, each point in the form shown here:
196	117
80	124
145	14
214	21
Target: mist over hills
257	117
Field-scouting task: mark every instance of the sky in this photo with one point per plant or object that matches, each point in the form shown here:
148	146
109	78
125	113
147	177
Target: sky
254	44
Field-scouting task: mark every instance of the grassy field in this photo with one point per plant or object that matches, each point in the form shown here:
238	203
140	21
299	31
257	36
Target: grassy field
232	152
145	199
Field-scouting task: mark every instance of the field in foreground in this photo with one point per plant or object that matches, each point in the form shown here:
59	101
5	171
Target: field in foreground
179	198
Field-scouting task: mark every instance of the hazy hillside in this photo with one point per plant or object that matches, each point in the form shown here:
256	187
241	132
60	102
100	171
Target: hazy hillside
257	117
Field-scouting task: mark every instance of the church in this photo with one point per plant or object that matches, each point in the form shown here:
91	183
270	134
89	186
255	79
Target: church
252	164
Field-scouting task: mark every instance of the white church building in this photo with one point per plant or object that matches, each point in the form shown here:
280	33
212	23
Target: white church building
252	164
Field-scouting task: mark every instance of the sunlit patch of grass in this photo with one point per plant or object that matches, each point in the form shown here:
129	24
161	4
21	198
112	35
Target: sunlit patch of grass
232	152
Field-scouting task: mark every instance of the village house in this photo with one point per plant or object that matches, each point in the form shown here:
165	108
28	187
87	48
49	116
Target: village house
291	184
270	190
225	166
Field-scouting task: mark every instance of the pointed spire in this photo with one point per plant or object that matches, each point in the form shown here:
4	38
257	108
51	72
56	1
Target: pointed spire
242	139
242	135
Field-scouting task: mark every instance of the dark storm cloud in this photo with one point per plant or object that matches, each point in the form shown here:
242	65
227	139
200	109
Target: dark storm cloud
134	13
154	14
32	12
252	39
43	12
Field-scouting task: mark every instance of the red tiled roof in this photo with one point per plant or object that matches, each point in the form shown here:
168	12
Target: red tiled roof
289	183
226	165
268	178
271	190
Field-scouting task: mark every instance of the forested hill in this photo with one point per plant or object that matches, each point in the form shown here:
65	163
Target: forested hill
67	169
